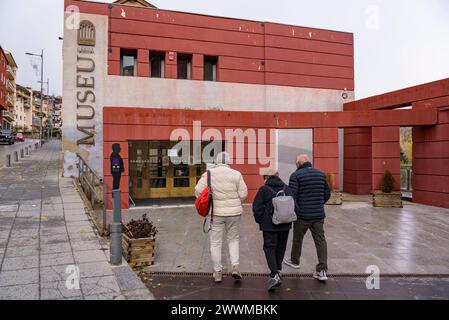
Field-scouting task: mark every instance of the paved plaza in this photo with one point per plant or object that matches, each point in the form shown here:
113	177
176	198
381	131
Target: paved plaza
411	240
45	233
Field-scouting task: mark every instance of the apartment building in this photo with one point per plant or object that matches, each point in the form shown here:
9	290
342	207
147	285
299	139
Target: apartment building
3	90
23	110
11	69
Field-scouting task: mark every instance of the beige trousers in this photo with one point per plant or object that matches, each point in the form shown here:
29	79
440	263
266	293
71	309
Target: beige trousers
230	225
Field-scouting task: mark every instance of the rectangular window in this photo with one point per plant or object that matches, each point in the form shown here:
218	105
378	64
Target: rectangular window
210	68
157	64
128	62
184	66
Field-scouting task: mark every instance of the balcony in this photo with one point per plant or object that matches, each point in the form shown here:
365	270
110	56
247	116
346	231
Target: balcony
36	121
10	72
8	115
10	86
10	100
26	105
37	101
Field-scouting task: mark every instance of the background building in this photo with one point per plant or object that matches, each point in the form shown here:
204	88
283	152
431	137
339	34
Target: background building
11	69
3	90
23	110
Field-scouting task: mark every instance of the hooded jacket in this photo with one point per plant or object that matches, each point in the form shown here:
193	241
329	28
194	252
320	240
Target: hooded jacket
228	189
263	205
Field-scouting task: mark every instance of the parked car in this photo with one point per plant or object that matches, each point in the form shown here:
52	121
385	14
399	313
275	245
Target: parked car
6	136
19	137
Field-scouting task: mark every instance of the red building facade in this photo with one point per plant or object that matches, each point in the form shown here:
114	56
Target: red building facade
144	73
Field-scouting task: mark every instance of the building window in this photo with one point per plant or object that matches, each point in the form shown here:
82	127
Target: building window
210	68
128	62
157	64
184	66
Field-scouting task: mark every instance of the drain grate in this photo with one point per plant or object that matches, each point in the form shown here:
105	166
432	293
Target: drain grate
298	275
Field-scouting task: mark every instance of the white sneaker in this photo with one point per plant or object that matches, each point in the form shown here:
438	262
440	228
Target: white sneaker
236	273
289	263
218	276
273	283
320	275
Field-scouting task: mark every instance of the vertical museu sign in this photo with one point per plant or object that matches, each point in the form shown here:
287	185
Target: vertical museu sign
85	83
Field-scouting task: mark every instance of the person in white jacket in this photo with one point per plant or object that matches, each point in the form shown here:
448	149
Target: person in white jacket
229	192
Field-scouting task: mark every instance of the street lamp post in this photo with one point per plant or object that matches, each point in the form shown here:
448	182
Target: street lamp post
42	83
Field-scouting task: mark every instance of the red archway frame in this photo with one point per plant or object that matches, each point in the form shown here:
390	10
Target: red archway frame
121	124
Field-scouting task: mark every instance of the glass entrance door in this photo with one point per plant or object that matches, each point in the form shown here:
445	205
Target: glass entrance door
153	175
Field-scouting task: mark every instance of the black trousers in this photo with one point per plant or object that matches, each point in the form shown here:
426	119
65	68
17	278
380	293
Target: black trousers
274	245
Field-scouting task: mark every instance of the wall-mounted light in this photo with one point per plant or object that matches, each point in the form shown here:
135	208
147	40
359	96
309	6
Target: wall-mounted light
344	95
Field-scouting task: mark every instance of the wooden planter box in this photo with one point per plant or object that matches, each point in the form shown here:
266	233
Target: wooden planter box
138	252
335	198
390	200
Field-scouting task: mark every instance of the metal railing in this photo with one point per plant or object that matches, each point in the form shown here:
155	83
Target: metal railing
11	73
10	86
406	177
93	187
10	99
8	114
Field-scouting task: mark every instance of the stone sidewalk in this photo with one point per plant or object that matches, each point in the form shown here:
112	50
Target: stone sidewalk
46	235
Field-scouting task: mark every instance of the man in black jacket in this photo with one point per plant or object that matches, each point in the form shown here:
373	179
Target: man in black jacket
274	236
311	192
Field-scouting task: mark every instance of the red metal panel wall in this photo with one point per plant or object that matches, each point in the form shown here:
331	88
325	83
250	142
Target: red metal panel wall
431	158
249	51
361	158
325	151
123	124
423	95
357	161
385	155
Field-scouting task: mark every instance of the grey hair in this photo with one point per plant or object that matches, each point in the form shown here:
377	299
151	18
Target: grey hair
222	158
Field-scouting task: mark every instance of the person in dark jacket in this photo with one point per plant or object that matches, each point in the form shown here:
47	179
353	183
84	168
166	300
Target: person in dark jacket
274	236
117	167
311	192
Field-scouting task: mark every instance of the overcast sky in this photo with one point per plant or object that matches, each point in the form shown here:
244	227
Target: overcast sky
398	43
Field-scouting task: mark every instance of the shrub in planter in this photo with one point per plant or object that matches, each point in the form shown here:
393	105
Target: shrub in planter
139	238
386	196
335	198
387	182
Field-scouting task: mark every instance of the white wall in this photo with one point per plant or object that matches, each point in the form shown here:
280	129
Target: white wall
180	94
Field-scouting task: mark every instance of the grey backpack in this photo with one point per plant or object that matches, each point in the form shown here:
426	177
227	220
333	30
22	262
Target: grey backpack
283	208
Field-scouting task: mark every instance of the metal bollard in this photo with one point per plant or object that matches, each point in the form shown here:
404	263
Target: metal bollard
116	230
8	160
26	151
21	153
16	156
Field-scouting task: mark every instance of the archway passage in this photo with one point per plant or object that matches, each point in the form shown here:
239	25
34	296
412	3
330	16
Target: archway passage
124	124
430	143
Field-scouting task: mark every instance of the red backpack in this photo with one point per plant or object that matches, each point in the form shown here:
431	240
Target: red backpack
204	203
